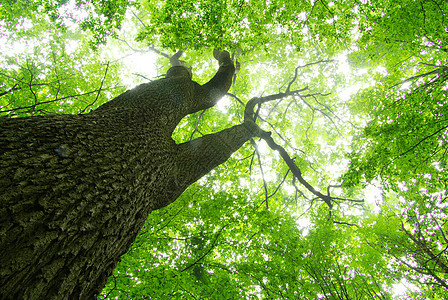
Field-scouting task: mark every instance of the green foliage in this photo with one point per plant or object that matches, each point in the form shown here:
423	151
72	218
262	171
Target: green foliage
102	18
226	248
373	76
245	25
49	70
404	138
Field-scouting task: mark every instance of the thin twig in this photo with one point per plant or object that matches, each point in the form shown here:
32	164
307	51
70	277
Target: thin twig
99	90
236	98
206	253
265	187
278	187
197	124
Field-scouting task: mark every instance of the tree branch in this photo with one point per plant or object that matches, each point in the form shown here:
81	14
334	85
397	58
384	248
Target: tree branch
250	117
99	90
265	186
294	169
197	124
206	253
421	141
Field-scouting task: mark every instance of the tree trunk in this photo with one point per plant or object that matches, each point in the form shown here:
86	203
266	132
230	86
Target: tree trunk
76	190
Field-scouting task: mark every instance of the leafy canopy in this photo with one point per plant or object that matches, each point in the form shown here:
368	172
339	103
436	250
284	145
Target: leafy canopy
368	127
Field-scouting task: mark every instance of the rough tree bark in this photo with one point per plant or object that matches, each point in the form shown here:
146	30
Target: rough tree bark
75	190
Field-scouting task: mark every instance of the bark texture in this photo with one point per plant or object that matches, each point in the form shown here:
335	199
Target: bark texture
76	190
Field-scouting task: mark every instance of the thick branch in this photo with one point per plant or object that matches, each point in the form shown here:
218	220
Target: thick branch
201	155
218	86
249	110
294	169
249	117
207	95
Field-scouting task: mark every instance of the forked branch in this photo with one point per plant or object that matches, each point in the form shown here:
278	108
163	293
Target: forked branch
294	168
250	117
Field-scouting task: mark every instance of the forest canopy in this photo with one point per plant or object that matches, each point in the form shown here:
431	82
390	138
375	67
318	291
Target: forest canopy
367	128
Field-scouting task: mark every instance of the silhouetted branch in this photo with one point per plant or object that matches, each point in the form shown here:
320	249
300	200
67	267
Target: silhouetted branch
421	141
14	88
288	89
138	18
250	116
265	186
206	253
345	223
99	90
249	110
236	98
49	101
197	124
278	187
294	169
